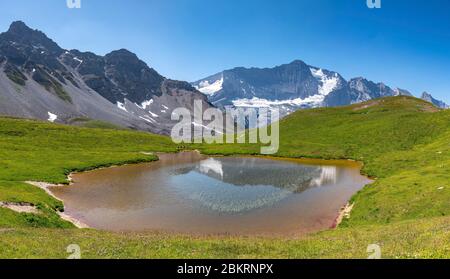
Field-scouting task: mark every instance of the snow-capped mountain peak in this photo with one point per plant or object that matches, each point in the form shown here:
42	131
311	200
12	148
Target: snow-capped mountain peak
290	87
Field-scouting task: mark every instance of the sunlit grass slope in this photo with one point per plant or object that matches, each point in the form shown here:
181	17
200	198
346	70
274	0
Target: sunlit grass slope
403	142
39	151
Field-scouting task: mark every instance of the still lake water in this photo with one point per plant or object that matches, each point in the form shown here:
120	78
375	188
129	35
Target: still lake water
195	194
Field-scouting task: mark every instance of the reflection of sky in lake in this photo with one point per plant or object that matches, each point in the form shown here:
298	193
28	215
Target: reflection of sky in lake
227	185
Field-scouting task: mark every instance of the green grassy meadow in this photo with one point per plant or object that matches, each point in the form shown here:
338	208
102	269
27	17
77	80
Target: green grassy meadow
403	142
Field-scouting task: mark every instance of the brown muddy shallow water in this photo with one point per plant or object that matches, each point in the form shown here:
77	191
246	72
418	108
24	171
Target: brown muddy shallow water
195	194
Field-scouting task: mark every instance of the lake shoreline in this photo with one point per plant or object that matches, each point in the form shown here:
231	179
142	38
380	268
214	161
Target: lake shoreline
80	224
46	186
63	215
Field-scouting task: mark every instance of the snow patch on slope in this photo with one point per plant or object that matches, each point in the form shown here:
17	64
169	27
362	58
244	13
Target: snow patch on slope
255	102
146	104
52	117
121	106
78	60
148	119
210	89
328	83
153	114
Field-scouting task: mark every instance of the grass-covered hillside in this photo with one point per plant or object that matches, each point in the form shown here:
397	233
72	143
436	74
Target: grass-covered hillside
40	151
404	143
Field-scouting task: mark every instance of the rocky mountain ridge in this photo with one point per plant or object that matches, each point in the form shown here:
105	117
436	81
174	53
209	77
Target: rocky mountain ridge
39	79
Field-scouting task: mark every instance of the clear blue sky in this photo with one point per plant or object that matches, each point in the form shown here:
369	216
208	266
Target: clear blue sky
406	43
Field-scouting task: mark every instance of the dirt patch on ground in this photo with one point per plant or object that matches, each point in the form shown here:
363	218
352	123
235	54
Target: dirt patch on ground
429	108
367	105
20	207
45	186
343	214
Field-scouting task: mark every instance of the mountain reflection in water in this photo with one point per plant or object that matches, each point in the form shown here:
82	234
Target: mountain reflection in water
231	185
196	194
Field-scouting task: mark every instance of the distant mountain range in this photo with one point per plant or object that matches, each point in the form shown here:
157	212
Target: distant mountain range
440	104
41	80
291	87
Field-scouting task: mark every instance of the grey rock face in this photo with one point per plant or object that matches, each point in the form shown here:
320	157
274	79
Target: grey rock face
116	76
440	104
38	79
